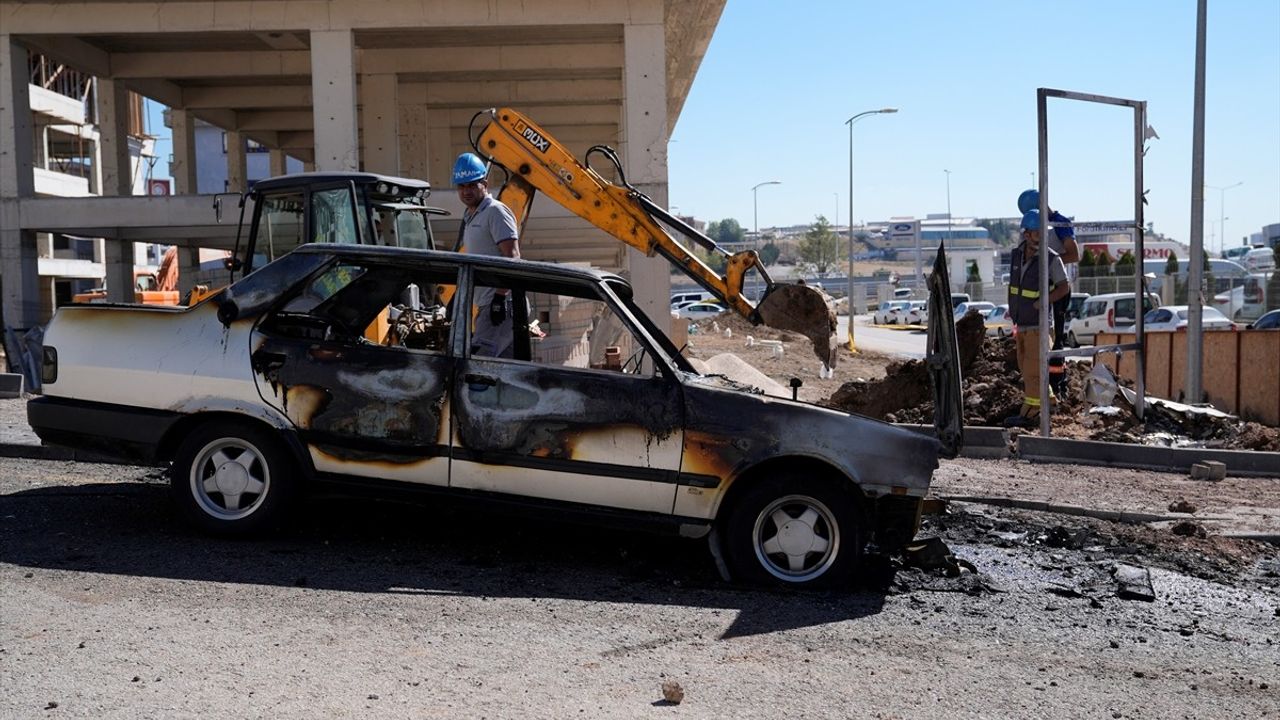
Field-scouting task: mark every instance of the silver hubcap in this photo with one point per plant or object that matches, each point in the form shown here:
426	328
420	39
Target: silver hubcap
229	479
796	538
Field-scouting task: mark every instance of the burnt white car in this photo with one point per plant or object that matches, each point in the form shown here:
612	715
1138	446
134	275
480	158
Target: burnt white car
345	366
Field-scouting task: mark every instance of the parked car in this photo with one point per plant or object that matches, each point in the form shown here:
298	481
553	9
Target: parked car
917	314
1107	312
902	293
1244	301
1269	321
689	297
680	304
1077	302
1259	259
1175	317
1237	252
269	389
979	306
701	310
891	312
957	298
998	321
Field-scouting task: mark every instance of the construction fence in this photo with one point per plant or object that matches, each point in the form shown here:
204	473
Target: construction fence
1241	370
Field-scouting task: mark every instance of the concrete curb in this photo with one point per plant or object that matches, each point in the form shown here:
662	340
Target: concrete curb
1240	463
1129	517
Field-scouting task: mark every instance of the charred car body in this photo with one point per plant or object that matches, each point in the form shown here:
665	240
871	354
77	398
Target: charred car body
272	386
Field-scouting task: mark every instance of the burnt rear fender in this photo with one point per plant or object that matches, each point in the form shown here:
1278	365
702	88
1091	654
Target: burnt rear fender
943	358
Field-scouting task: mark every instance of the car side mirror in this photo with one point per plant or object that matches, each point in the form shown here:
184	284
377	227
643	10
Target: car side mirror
233	264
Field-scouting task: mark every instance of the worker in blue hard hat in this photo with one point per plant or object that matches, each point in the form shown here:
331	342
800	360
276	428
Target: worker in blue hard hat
488	228
1062	241
1025	298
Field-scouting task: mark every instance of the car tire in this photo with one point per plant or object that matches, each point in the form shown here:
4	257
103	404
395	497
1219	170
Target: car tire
795	530
233	480
1071	339
1000	332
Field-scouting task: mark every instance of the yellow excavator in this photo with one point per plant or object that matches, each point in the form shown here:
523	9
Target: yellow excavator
534	161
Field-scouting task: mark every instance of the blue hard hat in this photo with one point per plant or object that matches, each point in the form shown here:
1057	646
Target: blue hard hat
1031	220
1028	200
469	168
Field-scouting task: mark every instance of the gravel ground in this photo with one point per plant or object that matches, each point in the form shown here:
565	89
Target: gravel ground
364	609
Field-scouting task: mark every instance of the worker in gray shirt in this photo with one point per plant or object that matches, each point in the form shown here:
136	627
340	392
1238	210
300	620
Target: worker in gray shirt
488	228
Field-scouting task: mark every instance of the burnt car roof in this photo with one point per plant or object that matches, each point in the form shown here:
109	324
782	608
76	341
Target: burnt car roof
306	179
385	253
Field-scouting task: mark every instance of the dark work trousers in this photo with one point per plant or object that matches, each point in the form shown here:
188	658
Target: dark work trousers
1057	366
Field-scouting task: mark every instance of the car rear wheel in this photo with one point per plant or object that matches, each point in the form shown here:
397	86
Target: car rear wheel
1071	340
796	531
232	480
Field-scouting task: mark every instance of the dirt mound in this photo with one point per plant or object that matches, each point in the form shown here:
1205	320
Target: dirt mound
742	327
993	392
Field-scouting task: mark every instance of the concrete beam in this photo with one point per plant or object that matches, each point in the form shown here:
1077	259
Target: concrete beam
380	123
333	87
247	96
479	93
193	65
56	17
296	140
72	51
274	120
492	58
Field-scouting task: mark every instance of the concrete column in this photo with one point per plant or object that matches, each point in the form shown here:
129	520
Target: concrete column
278	163
183	167
20	302
333	94
308	166
415	155
379	123
237	162
183	170
644	151
116	173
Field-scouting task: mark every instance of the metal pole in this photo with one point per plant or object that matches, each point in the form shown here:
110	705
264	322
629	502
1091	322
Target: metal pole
1195	326
852	312
755	207
948	172
1139	247
1042	128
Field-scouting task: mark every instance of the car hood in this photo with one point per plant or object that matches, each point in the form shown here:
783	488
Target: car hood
748	428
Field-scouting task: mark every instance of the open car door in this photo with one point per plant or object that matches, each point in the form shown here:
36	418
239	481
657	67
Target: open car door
943	358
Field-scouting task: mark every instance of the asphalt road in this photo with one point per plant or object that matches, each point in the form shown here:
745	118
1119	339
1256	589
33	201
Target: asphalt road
901	343
110	610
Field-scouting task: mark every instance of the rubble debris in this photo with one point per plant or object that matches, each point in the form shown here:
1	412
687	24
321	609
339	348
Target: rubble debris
1133	583
1181	506
1186	528
672	692
1210	470
933	554
1060	537
993	392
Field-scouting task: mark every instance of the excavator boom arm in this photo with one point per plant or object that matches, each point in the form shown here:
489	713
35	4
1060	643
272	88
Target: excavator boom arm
535	161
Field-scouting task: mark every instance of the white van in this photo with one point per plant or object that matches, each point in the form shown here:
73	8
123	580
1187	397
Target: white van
1105	313
1259	260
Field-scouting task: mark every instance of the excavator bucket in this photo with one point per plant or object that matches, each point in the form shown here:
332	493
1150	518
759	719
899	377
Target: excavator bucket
805	310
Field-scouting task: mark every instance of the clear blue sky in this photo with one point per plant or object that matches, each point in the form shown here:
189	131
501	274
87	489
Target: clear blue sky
779	80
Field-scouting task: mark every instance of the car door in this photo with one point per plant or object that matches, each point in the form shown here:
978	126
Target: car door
363	408
576	414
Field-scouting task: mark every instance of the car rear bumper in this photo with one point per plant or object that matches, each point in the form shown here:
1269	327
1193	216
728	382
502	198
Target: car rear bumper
118	431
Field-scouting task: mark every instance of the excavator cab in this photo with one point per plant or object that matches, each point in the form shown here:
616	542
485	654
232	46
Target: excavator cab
335	207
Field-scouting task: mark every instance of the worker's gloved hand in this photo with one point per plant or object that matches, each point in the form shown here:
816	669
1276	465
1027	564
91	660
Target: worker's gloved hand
498	309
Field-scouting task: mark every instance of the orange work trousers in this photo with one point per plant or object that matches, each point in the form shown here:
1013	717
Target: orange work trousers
1028	346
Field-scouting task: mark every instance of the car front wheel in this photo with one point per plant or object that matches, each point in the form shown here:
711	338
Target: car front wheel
232	480
1071	340
795	531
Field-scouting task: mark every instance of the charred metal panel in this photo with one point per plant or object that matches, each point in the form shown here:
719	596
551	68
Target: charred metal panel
358	405
728	431
259	290
570	433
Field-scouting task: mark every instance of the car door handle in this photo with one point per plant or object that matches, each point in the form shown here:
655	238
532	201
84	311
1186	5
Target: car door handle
480	382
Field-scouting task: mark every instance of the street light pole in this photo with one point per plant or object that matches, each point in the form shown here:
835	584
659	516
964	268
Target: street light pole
1222	213
849	291
755	209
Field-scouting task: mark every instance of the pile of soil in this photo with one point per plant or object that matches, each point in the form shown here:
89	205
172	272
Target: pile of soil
993	392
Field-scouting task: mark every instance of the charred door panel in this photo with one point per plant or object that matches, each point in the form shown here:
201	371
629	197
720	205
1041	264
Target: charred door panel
361	409
590	436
